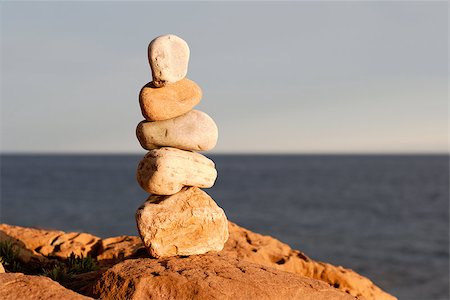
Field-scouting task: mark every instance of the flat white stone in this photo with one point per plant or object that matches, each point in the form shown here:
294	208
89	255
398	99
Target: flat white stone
194	131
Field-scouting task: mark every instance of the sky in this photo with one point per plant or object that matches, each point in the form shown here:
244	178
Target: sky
290	77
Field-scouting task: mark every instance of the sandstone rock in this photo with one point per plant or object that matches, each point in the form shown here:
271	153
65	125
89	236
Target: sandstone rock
265	250
53	243
17	286
268	251
170	101
242	244
165	171
208	276
169	57
83	283
116	249
2	269
187	223
194	131
24	254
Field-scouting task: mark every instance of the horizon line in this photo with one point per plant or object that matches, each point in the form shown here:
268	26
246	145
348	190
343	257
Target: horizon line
337	153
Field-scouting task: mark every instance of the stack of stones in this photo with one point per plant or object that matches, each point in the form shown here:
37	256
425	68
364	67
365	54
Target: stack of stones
178	218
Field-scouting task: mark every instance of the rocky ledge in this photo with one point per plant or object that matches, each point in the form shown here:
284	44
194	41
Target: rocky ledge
251	266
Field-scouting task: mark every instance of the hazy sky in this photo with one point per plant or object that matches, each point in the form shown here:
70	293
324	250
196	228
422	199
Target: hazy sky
277	77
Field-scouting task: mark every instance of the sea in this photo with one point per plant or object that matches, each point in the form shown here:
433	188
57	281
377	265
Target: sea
386	216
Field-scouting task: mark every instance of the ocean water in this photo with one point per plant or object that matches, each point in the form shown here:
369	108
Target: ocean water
386	217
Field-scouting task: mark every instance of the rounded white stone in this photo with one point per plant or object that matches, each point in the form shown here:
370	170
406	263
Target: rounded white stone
166	170
169	57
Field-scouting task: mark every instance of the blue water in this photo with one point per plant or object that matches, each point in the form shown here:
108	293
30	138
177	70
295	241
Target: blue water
387	217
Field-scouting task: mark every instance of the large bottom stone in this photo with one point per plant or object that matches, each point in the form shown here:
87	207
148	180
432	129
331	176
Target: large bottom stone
186	223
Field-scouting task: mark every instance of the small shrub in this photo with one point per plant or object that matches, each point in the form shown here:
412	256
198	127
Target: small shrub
9	256
65	270
79	264
57	273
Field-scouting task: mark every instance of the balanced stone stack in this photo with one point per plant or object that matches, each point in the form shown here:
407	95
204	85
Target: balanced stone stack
178	218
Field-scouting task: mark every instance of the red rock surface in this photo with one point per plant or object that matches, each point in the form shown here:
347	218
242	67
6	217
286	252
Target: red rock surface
116	249
17	286
24	255
53	243
265	250
209	276
243	245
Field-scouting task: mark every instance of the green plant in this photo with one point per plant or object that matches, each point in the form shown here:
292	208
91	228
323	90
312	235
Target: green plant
65	270
9	256
57	273
80	264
